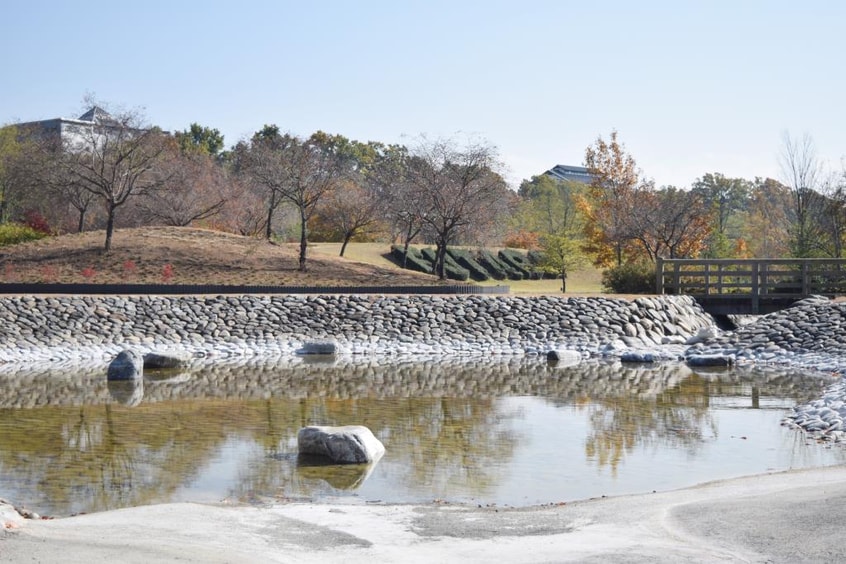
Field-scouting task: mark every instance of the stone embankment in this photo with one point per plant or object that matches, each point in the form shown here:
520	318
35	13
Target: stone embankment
68	329
810	335
61	332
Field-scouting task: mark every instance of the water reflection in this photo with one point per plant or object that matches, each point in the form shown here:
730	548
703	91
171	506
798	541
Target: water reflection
512	431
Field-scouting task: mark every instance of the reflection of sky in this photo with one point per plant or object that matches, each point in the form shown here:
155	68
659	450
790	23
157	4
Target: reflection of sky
218	478
482	445
549	463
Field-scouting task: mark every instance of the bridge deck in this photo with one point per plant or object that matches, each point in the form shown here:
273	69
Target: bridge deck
750	286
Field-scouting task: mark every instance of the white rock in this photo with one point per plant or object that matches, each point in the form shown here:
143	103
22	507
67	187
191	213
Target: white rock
349	444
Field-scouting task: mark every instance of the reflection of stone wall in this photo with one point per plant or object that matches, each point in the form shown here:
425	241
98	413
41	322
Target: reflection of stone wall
477	378
56	328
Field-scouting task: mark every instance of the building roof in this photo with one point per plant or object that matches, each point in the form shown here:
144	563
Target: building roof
570	172
96	114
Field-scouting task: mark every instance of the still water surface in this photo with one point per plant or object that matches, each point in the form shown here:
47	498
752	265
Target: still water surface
511	432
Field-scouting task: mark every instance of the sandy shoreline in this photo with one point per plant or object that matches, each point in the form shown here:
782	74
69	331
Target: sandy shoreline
784	517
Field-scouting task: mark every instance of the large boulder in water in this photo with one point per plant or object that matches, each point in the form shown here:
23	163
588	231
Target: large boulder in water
349	444
127	365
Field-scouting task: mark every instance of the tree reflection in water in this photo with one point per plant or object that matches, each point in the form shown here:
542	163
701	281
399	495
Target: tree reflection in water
68	444
676	417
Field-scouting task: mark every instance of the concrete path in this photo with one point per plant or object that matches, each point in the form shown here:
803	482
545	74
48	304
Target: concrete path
786	517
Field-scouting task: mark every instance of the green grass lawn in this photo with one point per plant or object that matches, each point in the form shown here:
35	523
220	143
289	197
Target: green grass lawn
586	281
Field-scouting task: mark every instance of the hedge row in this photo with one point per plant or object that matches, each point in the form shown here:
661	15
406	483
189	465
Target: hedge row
465	259
517	261
481	265
414	261
451	268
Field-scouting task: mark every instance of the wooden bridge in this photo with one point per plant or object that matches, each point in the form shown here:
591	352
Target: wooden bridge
750	286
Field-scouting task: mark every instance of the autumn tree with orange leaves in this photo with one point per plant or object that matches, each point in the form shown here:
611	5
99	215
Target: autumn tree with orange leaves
609	200
628	219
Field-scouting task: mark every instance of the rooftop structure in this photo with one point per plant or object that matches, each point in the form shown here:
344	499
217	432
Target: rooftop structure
570	173
69	131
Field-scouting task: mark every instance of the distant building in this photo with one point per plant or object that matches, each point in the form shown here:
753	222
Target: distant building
570	173
70	132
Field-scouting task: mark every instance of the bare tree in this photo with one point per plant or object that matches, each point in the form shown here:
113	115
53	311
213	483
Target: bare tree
669	222
351	208
194	188
801	171
291	170
459	186
833	220
113	158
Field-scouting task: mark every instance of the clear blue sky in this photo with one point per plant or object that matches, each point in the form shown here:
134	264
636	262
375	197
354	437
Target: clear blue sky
691	86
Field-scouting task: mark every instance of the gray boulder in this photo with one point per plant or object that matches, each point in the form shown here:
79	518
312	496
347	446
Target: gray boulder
635	357
156	361
813	299
564	357
349	444
318	347
127	365
703	335
709	360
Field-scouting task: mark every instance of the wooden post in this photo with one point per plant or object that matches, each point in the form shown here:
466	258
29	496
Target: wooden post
659	275
756	307
677	278
707	278
806	279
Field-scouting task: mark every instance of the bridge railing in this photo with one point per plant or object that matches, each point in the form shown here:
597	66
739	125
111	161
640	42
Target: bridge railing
751	279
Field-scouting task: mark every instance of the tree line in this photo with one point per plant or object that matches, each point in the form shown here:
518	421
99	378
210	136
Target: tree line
622	218
122	172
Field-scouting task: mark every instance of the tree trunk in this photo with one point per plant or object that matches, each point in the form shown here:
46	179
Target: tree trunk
81	226
440	256
347	237
110	227
268	230
563	281
405	254
303	240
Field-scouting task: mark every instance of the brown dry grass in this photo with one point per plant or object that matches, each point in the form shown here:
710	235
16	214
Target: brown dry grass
196	256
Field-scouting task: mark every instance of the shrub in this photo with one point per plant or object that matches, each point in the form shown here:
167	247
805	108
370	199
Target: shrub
634	278
498	270
14	233
414	261
517	261
88	273
37	222
49	273
536	259
522	240
167	273
451	268
129	268
465	260
455	272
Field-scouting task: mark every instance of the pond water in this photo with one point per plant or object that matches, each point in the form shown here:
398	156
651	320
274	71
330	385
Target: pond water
506	432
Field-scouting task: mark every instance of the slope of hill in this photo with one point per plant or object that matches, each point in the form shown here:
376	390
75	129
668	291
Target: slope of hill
182	255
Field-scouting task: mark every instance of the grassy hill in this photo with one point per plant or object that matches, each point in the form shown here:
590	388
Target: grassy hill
182	255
